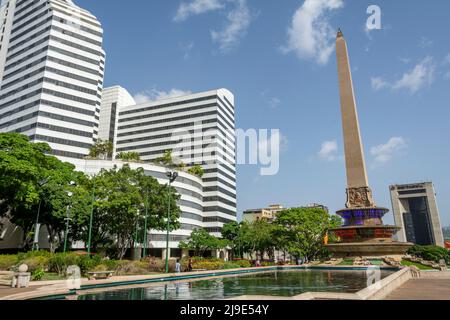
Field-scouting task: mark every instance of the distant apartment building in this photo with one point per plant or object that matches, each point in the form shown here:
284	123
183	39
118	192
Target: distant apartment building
270	213
267	214
51	68
416	213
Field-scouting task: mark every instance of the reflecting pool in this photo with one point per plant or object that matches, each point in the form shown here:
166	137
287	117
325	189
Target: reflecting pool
275	283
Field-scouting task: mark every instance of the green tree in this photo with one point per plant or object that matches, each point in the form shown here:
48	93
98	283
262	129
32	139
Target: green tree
31	179
122	198
231	233
101	150
196	171
201	241
129	156
167	160
257	237
301	231
20	171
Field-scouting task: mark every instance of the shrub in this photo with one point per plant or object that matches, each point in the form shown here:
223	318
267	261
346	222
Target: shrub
8	261
430	253
38	274
100	268
111	265
36	263
243	263
32	254
268	264
231	265
132	267
208	264
159	265
60	261
88	263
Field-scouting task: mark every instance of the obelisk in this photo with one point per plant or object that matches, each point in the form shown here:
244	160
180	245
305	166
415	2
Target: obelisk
363	232
358	192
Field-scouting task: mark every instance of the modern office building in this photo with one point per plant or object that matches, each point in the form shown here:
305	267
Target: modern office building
113	100
51	68
51	89
416	213
199	129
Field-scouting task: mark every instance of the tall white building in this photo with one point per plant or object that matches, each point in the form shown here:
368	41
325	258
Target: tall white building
51	67
113	100
199	129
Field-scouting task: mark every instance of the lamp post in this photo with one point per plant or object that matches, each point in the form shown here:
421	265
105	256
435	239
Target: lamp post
145	226
91	218
172	175
41	183
69	207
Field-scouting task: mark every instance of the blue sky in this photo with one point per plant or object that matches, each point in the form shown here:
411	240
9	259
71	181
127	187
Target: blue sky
277	57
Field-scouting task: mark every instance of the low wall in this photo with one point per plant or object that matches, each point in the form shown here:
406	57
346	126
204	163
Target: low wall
58	289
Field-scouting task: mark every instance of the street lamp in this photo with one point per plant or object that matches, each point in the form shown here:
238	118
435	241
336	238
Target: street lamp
91	218
40	183
70	194
172	175
145	226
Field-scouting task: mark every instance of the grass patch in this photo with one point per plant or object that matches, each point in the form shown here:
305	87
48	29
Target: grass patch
346	262
50	276
376	262
407	263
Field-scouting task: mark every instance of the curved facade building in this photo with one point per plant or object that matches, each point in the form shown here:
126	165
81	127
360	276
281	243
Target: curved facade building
188	186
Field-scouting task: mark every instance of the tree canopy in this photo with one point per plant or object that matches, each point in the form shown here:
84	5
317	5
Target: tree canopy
102	150
33	181
129	156
201	241
301	231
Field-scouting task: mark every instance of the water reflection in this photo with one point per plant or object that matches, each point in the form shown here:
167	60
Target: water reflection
280	283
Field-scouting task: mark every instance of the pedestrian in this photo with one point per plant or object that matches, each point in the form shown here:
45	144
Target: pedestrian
190	265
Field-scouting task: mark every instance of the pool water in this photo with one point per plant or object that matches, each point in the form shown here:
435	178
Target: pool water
277	283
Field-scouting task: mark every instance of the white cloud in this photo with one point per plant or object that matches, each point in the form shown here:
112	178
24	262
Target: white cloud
186	48
274	103
239	20
447	76
310	35
447	59
383	153
154	95
329	151
417	78
425	43
420	76
277	138
195	7
378	83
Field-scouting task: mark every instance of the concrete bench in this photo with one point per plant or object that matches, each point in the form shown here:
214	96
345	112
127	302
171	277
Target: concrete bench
102	275
6	278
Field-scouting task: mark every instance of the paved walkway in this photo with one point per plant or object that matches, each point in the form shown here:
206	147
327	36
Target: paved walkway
422	289
7	291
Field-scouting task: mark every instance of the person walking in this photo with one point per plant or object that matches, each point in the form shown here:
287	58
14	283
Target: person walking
178	267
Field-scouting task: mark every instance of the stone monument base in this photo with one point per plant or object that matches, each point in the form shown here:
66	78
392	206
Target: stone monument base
367	249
